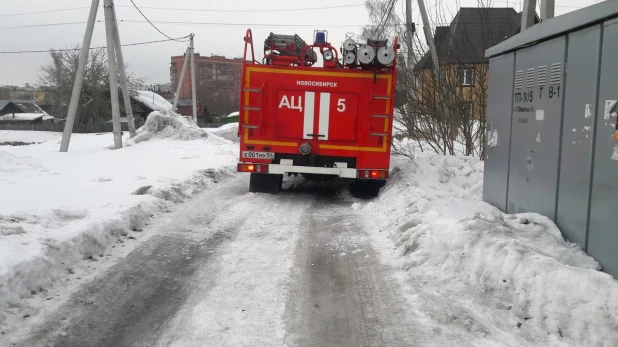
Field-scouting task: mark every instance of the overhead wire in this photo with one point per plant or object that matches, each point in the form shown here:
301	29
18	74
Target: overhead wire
94	48
248	11
154	26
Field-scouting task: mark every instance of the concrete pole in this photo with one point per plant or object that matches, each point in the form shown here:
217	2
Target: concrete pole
182	77
528	14
193	95
123	77
429	38
409	36
547	9
113	78
79	78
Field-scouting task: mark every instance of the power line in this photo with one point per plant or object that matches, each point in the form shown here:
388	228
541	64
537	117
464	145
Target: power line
43	25
194	9
248	24
220	24
248	11
49	11
146	18
92	48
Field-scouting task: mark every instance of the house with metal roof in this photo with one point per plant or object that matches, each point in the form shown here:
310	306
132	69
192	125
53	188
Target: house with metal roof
21	111
463	66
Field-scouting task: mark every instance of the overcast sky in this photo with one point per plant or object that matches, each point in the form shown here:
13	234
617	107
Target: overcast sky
152	61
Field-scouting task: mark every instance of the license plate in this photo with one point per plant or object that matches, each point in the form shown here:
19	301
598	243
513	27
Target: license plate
258	155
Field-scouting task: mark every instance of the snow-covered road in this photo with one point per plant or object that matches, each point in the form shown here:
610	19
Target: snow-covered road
232	268
200	261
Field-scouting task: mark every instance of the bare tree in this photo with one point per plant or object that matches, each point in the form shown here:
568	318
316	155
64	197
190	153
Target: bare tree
57	77
445	113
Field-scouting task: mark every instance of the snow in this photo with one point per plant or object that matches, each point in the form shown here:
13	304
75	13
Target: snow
233	114
520	266
227	131
28	136
160	126
153	100
24	116
60	208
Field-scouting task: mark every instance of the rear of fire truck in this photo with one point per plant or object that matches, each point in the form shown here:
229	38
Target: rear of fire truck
331	120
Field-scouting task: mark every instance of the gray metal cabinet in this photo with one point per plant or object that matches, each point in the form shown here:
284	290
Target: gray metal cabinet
603	234
498	130
563	158
536	123
578	132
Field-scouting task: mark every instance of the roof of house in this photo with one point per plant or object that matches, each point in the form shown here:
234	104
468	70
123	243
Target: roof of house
26	106
472	31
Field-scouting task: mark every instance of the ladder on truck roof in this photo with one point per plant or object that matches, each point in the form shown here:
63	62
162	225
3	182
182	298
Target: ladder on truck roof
291	47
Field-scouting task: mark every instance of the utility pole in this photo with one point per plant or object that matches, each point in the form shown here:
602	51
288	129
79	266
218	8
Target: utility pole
547	9
182	77
528	14
113	79
193	96
429	38
79	78
123	77
409	36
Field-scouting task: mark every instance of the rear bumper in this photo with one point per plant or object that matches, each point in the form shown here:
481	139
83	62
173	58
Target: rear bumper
279	169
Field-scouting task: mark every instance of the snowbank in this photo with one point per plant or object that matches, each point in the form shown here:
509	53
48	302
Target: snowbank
28	136
60	208
169	125
228	132
26	116
432	211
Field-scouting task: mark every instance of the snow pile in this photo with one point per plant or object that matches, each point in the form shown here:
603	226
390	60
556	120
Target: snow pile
26	116
228	132
155	101
169	125
432	211
58	209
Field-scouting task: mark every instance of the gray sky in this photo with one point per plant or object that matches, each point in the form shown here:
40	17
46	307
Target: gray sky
152	61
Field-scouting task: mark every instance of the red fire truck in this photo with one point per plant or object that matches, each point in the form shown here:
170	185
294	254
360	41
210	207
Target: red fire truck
297	117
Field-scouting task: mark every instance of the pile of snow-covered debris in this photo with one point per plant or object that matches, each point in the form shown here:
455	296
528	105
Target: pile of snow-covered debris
168	125
60	208
445	235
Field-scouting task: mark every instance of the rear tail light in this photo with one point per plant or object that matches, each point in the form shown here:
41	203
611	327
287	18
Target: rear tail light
373	174
261	168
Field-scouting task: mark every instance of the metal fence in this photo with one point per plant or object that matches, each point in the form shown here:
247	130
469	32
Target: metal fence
59	127
82	128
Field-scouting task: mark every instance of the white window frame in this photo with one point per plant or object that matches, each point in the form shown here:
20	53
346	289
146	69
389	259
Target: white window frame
466	77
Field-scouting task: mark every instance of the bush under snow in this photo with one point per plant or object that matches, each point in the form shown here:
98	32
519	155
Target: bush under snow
441	229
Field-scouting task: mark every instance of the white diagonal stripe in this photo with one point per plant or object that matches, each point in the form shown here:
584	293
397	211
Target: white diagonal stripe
309	114
324	115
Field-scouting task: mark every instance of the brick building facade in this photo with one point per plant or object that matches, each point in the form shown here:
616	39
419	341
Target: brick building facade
217	84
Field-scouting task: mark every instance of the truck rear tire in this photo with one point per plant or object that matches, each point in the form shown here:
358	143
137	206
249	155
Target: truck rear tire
264	183
366	189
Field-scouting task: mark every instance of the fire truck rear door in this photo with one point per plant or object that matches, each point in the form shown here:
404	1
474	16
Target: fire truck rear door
313	115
